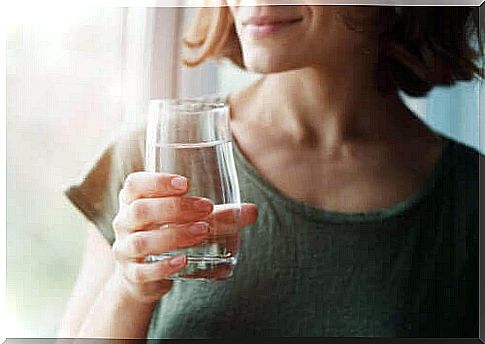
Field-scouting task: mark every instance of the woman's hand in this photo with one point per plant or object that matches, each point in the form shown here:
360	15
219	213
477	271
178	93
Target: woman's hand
156	217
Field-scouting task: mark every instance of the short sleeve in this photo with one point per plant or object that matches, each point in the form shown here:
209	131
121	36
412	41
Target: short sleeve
96	193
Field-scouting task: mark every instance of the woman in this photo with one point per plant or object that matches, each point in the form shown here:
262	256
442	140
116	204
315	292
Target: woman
368	220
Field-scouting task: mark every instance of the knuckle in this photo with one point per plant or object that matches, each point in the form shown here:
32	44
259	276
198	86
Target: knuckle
172	205
138	245
139	210
130	183
116	223
123	196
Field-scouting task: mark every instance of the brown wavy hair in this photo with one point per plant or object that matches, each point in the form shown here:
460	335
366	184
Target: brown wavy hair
419	47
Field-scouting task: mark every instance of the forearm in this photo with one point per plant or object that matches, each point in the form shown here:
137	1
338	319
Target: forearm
116	314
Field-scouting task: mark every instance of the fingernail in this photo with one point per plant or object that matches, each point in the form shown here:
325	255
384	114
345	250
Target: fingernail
179	183
177	261
199	228
203	205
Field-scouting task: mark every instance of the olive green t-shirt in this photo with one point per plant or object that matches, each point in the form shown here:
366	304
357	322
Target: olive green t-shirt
409	270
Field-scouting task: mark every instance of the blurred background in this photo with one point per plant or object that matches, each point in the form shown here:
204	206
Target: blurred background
75	77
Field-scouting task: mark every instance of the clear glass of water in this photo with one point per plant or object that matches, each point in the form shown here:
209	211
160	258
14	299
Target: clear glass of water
192	138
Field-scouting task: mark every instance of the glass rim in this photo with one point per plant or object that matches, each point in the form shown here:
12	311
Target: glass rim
176	104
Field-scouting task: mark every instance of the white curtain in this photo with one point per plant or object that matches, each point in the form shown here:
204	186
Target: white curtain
153	65
75	77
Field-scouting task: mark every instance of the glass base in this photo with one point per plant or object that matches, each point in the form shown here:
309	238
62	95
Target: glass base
200	268
212	260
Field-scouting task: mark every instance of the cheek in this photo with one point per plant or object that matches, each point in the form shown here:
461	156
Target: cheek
278	56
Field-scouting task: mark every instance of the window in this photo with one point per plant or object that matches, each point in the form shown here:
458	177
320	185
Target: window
75	76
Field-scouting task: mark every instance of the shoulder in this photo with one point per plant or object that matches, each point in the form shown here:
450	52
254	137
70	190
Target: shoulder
130	137
461	197
466	152
461	182
463	161
128	148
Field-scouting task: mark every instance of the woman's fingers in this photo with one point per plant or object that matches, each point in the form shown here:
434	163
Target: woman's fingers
171	236
146	212
157	241
152	185
142	273
249	214
148	282
149	200
228	220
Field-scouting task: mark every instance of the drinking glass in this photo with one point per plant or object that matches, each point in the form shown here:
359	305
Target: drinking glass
192	138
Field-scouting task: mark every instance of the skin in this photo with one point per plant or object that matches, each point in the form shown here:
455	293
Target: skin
314	126
116	281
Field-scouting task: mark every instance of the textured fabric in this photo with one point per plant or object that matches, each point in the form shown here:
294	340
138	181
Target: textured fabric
410	270
96	195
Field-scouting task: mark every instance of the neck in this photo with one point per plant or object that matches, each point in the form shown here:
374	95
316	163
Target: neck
325	108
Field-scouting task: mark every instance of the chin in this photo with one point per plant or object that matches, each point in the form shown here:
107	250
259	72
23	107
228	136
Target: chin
271	63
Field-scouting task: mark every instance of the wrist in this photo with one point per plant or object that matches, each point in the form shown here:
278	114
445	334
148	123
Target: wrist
117	313
119	286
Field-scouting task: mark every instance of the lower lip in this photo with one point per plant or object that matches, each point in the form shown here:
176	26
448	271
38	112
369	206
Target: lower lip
263	31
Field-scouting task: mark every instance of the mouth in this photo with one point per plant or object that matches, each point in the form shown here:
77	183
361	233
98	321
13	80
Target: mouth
261	27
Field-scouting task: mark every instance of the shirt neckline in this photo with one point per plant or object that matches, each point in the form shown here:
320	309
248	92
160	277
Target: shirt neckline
318	214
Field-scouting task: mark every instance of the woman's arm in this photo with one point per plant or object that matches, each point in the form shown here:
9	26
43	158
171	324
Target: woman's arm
116	314
99	305
96	268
